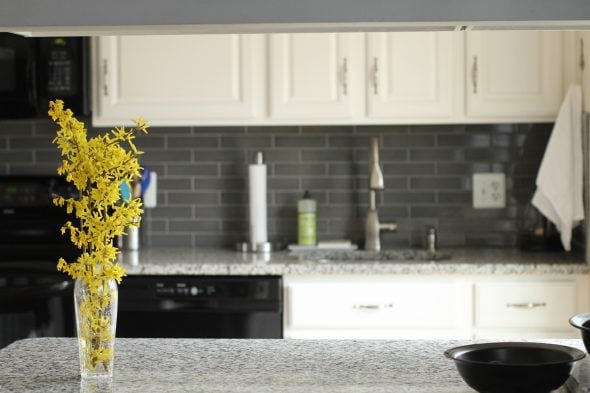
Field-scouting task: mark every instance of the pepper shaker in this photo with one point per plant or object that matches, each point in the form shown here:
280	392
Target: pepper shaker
431	240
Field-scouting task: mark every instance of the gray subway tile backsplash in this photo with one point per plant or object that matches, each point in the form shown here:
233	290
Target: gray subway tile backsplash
436	155
194	169
193	141
202	173
14	156
312	140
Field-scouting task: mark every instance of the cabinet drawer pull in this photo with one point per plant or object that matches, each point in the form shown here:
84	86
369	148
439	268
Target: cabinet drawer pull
526	305
375	75
372	306
474	74
345	76
105	75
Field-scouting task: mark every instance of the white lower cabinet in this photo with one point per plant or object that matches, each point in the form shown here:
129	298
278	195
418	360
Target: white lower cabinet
526	309
375	307
433	307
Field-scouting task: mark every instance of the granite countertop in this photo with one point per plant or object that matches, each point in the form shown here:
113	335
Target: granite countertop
203	261
207	365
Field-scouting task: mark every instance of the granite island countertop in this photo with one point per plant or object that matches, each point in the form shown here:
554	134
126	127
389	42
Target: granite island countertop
244	366
211	261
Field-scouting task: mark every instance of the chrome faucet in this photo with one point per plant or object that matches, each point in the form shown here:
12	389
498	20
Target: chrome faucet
373	227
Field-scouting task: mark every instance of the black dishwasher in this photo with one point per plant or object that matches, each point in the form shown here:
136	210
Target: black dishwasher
200	307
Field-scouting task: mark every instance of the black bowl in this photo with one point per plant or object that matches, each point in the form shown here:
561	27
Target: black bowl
508	367
582	322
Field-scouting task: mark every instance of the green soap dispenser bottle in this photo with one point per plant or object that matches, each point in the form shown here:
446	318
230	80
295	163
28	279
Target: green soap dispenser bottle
306	221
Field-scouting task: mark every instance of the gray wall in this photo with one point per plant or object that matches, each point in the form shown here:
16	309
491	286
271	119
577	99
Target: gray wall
202	178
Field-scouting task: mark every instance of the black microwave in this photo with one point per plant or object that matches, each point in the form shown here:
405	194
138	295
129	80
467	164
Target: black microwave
34	71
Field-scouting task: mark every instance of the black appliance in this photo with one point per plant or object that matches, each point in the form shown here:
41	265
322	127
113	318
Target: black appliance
35	299
34	71
200	307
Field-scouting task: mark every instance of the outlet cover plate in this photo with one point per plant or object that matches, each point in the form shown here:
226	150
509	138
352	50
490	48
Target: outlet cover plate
489	190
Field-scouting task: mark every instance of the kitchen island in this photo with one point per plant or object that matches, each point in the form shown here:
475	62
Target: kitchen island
201	365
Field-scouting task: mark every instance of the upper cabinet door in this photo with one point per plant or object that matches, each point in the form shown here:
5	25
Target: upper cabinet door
410	75
179	80
316	76
514	74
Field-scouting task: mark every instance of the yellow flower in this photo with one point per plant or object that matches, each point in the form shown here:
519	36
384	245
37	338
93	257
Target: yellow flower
97	167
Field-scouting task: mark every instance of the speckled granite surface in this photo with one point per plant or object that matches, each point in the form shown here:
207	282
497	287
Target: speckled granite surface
261	366
462	261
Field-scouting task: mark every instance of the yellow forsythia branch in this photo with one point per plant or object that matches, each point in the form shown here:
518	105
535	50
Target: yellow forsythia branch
97	167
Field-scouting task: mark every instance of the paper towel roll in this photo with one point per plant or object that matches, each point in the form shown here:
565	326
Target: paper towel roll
257	193
150	194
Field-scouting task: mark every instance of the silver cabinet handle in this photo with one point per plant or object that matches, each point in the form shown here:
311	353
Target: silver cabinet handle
474	74
526	305
105	73
375	75
372	306
345	76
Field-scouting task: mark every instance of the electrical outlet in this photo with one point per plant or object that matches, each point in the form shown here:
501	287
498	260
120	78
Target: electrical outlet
489	190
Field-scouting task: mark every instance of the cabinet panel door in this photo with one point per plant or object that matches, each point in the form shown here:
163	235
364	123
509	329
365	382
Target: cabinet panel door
180	79
373	305
514	74
531	305
410	75
315	75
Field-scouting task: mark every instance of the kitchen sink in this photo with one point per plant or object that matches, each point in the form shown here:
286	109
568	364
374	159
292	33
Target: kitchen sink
374	256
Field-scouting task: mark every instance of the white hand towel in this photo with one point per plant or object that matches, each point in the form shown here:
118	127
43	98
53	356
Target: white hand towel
559	182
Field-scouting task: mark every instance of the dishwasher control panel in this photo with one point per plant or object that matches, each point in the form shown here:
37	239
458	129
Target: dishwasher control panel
216	287
174	289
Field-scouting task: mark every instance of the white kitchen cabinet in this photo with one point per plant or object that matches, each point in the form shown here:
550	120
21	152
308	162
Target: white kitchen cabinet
433	306
179	80
528	308
411	76
399	77
513	75
315	76
329	78
358	307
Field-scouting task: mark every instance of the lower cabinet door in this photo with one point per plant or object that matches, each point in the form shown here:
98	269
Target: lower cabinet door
525	309
373	310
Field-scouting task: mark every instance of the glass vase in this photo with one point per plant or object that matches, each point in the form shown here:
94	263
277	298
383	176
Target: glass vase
96	320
